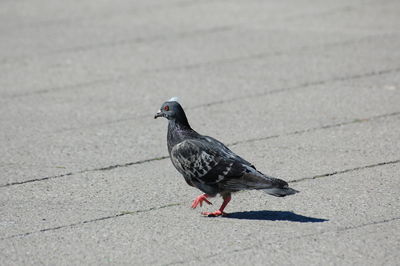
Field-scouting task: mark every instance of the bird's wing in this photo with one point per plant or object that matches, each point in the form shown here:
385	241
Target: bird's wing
209	167
226	151
203	162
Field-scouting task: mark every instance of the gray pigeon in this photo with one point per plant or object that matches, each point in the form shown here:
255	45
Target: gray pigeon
209	165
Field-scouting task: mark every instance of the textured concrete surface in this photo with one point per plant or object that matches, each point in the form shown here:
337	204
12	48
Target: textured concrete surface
307	90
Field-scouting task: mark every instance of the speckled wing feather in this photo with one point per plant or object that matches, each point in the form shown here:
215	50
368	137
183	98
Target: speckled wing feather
210	166
200	161
226	151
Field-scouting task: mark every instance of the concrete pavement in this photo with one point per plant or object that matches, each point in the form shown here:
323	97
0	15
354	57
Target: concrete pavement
308	91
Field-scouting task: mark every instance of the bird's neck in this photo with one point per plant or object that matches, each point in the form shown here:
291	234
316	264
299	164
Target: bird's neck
181	120
178	130
174	124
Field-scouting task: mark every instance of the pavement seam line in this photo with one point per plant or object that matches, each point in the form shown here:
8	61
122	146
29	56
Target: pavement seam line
176	36
60	21
250	96
120	214
304	85
138	40
106	168
343	229
296	132
192	66
260	55
123	213
346	171
302	131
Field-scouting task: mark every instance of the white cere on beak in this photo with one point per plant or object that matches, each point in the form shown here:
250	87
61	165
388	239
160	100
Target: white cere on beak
174	99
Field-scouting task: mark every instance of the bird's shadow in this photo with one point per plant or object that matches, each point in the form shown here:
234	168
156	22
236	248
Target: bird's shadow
274	216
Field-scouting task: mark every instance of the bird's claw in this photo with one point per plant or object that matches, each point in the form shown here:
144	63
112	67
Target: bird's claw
214	214
199	201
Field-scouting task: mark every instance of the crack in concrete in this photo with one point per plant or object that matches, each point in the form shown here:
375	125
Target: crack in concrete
297	132
179	4
106	168
302	131
345	171
343	229
257	56
123	213
101	45
109	15
192	66
255	95
303	85
179	35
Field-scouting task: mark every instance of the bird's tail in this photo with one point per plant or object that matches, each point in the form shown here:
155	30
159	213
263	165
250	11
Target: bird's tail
280	192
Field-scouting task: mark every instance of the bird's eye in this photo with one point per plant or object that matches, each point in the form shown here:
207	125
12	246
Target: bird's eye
166	108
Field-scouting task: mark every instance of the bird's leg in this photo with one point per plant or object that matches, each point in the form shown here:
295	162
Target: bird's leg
200	199
220	211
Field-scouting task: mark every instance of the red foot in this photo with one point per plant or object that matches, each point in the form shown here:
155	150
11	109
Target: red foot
214	214
199	200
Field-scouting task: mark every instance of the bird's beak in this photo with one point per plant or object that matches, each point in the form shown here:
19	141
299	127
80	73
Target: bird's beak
159	114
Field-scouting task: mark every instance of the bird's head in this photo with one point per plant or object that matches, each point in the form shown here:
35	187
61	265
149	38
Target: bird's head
171	110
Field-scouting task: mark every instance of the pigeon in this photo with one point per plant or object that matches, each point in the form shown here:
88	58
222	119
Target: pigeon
209	165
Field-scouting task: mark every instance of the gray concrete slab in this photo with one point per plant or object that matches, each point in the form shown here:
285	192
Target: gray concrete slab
307	90
112	141
292	226
93	195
